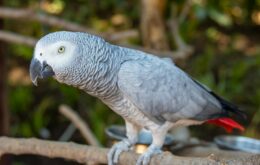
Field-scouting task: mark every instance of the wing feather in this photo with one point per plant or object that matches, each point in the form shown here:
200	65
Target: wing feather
164	92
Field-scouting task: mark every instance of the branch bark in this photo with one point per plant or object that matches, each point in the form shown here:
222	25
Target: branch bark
83	153
80	124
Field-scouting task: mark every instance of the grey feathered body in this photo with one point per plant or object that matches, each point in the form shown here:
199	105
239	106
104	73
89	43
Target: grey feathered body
138	85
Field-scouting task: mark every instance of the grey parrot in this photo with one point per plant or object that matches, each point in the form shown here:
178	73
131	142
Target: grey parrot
146	91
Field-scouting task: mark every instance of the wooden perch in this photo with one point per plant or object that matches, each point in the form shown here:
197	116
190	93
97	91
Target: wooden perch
80	124
83	153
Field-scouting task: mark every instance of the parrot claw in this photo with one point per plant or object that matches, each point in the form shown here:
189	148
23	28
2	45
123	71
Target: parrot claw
116	150
145	158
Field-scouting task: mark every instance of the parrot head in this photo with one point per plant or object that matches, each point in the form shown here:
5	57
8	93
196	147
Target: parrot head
60	55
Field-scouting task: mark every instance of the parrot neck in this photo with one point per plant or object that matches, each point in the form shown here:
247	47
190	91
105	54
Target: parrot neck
101	77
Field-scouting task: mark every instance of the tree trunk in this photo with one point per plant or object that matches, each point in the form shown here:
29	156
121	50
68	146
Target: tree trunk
153	25
4	124
4	116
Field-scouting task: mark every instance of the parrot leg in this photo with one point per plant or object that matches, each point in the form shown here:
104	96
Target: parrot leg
124	145
158	134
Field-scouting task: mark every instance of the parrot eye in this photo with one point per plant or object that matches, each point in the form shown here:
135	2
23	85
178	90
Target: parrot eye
61	49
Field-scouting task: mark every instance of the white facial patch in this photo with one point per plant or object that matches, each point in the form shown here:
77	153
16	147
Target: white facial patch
56	55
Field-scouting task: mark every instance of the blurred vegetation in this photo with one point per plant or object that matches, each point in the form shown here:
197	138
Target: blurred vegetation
225	35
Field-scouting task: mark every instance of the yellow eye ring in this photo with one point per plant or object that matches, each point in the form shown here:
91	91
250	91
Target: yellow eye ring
61	49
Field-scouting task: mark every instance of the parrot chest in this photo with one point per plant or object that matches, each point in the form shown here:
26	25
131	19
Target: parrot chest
125	108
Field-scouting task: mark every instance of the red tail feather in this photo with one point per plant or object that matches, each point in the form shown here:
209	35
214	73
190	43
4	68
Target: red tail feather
227	123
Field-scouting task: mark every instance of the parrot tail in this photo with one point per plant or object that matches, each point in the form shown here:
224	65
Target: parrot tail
227	123
223	120
229	107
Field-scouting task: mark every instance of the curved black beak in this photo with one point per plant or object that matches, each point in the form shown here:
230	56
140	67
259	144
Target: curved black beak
38	70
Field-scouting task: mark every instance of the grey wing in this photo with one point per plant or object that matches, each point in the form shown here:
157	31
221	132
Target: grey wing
163	92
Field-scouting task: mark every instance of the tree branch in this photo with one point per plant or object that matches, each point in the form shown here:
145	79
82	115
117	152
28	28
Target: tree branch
84	153
66	135
183	50
31	15
185	10
17	38
80	124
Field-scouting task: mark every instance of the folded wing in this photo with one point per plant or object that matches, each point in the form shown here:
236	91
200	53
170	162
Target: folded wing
163	92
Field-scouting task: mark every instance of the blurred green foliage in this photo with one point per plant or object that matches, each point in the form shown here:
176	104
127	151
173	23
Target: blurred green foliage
226	58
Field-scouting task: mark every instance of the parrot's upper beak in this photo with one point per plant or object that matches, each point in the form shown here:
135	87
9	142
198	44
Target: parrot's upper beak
38	70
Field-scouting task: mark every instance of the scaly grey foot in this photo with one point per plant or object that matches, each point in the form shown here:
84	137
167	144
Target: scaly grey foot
116	150
145	158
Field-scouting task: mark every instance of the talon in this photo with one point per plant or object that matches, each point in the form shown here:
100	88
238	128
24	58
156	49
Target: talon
116	150
110	156
116	156
145	158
